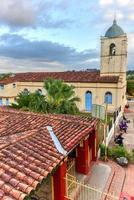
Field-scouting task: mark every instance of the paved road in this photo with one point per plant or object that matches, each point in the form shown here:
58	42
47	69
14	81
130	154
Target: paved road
129	180
129	136
123	179
98	178
129	143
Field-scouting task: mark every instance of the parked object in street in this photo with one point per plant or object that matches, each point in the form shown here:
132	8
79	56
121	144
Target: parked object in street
125	120
123	126
122	161
126	196
127	106
119	139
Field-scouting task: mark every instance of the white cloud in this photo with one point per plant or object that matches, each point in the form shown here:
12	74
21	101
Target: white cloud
17	13
119	3
131	42
131	16
24	65
105	2
109	15
122	3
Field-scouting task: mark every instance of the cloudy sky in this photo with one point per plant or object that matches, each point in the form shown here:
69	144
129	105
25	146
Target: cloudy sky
57	35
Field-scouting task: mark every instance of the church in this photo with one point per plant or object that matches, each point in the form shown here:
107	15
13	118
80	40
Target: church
92	87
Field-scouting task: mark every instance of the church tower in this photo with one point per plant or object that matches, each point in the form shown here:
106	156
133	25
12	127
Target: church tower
114	52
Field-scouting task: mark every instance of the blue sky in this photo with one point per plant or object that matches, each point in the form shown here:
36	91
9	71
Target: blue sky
47	35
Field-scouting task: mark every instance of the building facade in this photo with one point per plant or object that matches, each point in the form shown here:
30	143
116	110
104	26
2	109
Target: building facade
107	85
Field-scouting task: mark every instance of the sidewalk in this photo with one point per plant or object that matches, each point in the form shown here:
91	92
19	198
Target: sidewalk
109	177
129	180
129	144
129	136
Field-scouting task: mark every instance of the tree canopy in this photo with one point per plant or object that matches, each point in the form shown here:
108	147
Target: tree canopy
60	99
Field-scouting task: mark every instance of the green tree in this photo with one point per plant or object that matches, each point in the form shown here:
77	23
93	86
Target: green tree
60	97
130	87
22	100
35	102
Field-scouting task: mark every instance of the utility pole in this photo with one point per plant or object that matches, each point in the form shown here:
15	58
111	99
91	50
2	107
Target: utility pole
105	131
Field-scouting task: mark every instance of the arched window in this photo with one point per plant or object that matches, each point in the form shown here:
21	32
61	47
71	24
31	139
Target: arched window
14	85
108	97
112	49
15	100
1	102
1	87
7	102
26	91
39	91
88	101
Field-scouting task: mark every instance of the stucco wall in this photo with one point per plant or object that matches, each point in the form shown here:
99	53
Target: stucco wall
114	64
98	92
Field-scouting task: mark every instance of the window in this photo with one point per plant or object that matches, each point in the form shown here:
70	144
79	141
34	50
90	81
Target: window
108	97
112	49
7	102
1	87
39	91
26	91
15	100
1	103
14	85
88	101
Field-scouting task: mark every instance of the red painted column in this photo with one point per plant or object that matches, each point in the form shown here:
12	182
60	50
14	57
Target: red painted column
94	145
82	160
60	183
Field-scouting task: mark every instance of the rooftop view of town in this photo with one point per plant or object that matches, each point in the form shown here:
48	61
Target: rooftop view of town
66	100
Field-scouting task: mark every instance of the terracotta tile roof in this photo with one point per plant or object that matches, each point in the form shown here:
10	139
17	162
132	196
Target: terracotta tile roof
27	152
70	76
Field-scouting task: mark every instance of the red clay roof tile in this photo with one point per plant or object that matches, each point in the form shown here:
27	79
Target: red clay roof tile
68	76
26	161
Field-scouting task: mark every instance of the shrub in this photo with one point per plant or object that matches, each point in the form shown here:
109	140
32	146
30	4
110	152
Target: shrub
131	156
102	150
116	152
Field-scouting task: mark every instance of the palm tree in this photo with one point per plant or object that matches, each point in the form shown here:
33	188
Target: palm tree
35	102
22	100
60	97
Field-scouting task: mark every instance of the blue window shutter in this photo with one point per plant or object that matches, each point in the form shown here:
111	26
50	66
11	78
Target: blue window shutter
7	101
88	101
1	103
108	97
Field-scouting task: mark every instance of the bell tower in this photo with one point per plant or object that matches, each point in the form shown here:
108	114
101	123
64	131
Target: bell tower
114	52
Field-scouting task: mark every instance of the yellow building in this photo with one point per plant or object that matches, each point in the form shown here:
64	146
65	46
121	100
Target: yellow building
92	87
